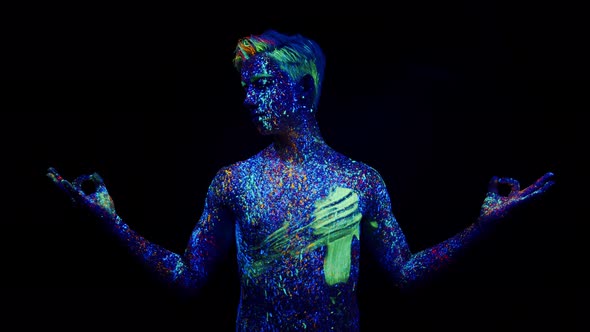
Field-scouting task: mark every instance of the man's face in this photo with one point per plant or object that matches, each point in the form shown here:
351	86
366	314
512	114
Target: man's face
271	96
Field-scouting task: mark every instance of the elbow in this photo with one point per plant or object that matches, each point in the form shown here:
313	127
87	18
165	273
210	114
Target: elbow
404	281
185	285
409	280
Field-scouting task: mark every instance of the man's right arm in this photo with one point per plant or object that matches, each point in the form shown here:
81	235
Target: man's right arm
210	239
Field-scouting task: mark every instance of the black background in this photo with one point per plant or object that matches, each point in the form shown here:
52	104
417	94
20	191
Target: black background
437	97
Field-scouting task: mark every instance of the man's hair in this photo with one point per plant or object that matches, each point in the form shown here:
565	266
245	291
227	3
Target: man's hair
295	54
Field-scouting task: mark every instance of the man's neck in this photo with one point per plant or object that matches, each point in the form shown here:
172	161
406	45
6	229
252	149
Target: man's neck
301	144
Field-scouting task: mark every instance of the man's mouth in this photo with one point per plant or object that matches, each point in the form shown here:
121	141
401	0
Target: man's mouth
256	116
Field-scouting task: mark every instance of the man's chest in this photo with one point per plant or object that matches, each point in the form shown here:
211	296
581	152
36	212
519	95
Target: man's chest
296	204
298	224
267	200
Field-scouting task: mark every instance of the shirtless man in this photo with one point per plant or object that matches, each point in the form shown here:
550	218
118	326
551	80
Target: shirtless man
297	210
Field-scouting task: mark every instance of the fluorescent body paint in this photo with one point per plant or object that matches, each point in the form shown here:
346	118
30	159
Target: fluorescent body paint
336	221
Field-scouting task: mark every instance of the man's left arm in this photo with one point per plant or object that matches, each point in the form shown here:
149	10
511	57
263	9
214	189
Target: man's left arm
409	268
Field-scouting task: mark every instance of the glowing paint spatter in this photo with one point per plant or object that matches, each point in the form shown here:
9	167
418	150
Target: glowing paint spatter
296	210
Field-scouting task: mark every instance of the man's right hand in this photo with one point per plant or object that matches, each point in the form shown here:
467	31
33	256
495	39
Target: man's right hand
98	200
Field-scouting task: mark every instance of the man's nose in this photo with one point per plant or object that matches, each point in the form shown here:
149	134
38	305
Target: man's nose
249	101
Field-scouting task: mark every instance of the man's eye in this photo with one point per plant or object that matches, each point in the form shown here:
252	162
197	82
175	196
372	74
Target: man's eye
262	83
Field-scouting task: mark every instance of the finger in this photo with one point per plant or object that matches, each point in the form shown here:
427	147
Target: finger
493	185
64	185
77	183
540	183
512	183
58	179
71	190
97	179
54	175
544	188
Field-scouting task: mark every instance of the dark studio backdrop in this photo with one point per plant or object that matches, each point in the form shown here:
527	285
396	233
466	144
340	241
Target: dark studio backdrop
438	98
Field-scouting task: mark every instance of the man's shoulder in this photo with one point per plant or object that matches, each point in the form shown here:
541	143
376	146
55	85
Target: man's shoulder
362	168
231	169
237	169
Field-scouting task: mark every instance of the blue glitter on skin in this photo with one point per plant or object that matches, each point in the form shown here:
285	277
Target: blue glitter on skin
298	210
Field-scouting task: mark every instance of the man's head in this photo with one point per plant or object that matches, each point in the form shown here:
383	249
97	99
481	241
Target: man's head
301	58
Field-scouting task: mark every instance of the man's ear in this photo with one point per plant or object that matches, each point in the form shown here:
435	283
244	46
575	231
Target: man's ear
307	85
